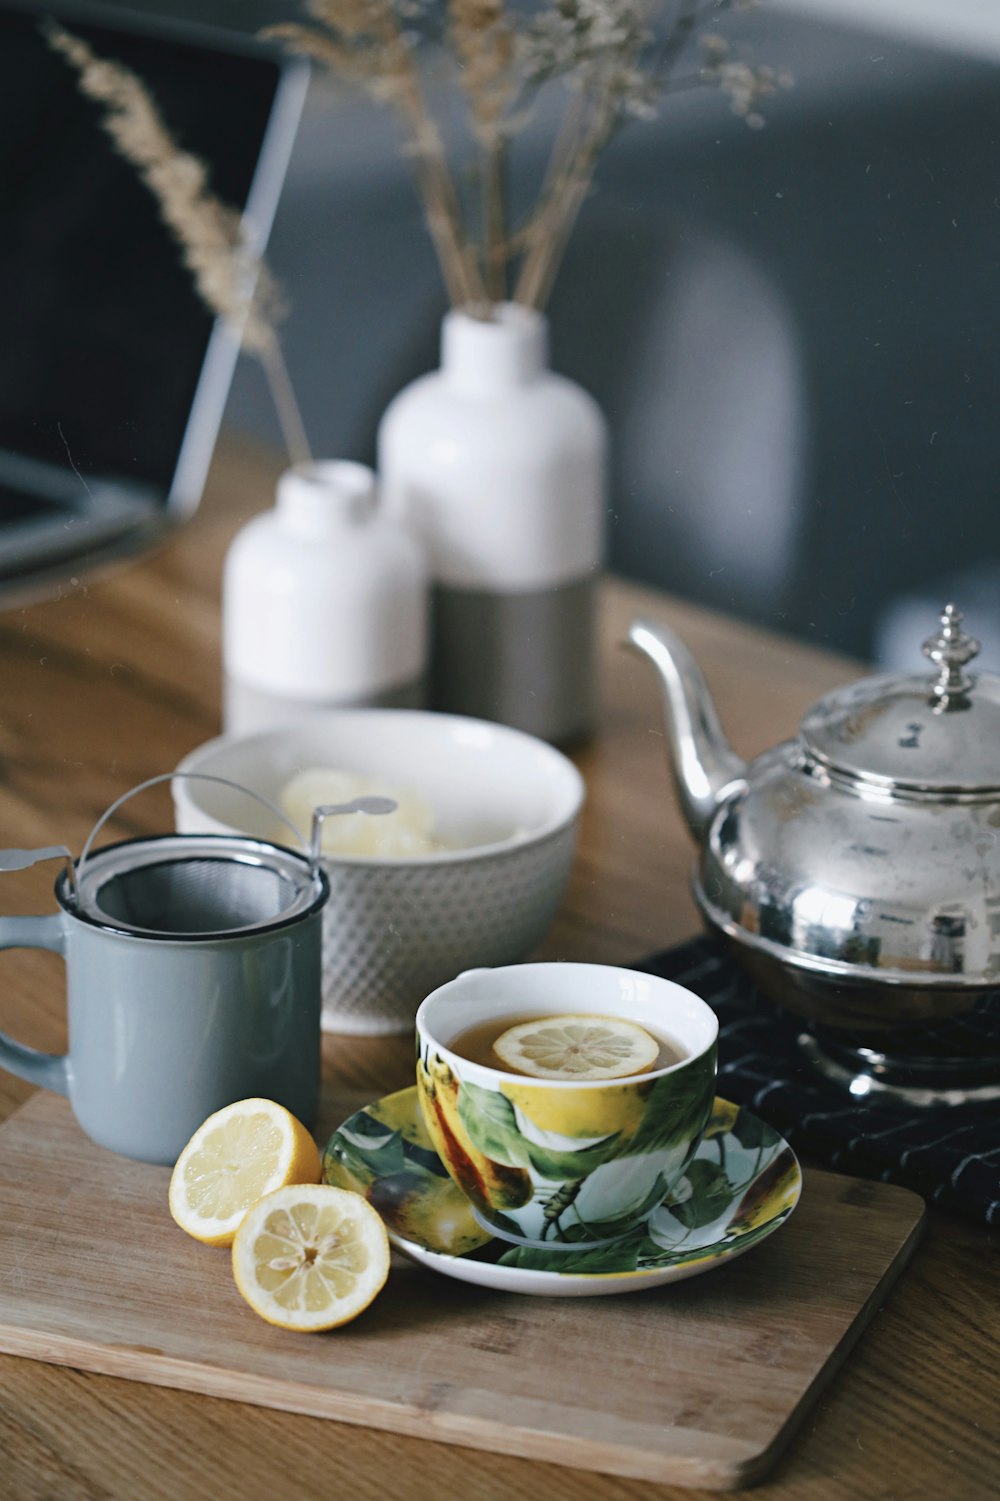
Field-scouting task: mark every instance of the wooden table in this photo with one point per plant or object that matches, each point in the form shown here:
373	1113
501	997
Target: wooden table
114	682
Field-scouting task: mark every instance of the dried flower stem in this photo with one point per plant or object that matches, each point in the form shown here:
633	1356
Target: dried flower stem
441	209
485	46
556	219
492	173
285	403
229	277
613	55
560	158
362	40
587	130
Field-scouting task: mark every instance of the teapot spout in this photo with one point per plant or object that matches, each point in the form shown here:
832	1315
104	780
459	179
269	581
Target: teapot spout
704	764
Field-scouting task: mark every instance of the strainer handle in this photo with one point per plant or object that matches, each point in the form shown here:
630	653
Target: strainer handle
24	859
190	776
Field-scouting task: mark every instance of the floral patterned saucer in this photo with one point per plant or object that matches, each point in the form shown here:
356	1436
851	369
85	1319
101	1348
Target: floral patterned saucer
741	1186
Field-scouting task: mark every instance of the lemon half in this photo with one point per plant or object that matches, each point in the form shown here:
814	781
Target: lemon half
577	1047
239	1154
310	1257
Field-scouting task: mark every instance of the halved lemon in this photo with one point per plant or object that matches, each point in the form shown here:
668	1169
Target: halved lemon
310	1257
577	1047
239	1154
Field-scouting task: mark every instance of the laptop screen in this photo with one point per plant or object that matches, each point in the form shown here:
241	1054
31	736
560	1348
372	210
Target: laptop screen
104	339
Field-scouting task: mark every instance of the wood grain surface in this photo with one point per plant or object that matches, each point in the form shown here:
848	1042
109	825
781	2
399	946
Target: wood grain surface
696	1383
114	681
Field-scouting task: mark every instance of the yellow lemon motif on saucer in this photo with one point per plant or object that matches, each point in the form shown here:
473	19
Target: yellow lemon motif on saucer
396	1113
431	1212
724	1114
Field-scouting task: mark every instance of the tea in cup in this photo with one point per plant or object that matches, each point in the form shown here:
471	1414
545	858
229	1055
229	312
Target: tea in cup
565	1099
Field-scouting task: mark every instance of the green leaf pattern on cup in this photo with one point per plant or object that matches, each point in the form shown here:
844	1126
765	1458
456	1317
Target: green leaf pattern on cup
676	1108
594	1190
491	1121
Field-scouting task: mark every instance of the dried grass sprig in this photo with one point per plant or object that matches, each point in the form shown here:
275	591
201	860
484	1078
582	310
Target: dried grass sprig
486	52
485	45
745	86
599	46
228	275
616	57
364	41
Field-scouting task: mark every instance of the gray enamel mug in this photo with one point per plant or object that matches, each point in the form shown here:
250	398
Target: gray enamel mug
193	970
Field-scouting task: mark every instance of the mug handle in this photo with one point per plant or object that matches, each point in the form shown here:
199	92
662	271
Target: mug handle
50	1070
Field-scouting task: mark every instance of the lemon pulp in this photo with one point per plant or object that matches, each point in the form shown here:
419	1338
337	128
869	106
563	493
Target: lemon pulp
233	1166
310	1257
577	1047
235	1157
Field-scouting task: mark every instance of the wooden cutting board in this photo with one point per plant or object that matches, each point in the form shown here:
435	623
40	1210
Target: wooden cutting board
701	1383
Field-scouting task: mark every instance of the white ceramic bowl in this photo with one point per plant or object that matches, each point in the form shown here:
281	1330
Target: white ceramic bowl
394	930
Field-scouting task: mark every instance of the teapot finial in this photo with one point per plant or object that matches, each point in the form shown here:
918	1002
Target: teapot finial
950	650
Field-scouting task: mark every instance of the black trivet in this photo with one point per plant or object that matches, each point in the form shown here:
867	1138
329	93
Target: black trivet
951	1157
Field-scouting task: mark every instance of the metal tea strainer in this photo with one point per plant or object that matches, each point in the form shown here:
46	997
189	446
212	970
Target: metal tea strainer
190	886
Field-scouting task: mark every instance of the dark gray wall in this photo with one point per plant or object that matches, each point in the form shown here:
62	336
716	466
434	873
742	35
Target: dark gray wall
793	331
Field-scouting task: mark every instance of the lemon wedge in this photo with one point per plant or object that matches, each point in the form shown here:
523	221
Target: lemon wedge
310	1257
577	1047
239	1154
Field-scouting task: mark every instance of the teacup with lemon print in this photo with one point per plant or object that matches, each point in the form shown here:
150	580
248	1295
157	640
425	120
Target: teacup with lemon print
586	1108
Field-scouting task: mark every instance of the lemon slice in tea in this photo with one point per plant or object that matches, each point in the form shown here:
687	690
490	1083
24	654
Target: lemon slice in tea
240	1153
310	1257
577	1047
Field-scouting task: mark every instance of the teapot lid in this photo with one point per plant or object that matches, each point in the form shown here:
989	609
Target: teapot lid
916	734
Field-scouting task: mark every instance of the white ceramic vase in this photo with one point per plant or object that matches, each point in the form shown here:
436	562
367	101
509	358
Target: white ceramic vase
500	467
324	603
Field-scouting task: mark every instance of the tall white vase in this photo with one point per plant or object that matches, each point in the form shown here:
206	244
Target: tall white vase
500	466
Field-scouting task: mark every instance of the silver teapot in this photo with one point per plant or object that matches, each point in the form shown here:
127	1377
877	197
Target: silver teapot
855	869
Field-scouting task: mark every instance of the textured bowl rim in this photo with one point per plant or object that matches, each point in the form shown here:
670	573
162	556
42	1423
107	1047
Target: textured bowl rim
184	798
